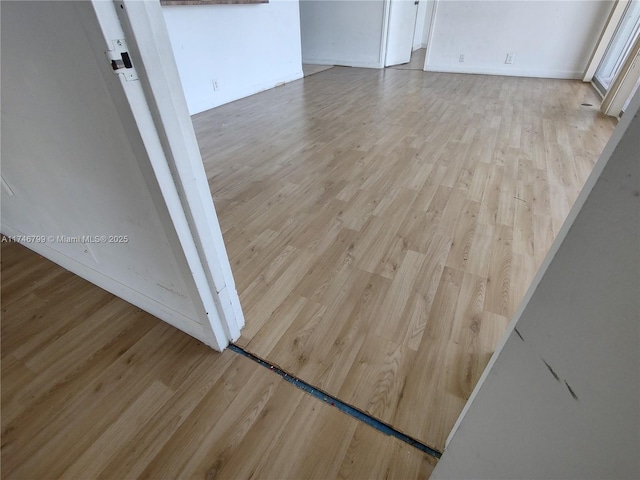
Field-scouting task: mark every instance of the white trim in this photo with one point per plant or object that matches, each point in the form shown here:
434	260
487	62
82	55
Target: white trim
388	8
384	34
207	104
623	85
181	175
432	26
563	74
154	166
144	23
605	38
169	165
341	63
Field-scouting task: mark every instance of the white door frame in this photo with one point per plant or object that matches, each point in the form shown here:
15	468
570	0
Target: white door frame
605	38
386	10
386	15
432	22
622	87
159	107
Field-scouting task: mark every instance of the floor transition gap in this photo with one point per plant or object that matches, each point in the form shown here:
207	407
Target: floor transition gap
339	404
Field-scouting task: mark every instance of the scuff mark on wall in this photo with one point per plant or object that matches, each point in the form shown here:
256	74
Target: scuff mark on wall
519	334
171	290
555	375
573	394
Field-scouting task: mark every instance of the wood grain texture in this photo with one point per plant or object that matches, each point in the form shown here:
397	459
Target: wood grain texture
96	388
384	225
416	62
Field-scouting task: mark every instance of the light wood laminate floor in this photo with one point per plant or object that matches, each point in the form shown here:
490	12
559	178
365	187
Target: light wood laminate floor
93	388
416	62
309	69
383	225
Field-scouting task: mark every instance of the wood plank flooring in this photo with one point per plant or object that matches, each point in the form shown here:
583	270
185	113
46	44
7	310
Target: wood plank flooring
416	62
94	388
383	225
309	69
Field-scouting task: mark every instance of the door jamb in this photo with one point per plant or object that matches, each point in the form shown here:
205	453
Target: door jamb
180	172
386	11
605	38
623	85
432	24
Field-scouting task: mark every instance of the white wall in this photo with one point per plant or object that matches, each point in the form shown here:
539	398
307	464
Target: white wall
423	23
421	18
75	165
348	32
562	398
552	38
245	49
428	19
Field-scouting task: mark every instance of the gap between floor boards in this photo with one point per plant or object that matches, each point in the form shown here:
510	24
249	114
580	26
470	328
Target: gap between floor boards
337	403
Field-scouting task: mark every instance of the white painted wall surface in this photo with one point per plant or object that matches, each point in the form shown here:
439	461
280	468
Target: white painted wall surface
344	32
429	6
73	165
561	398
419	31
552	38
245	49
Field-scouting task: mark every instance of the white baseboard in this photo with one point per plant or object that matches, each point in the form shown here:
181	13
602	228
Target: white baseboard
341	63
245	92
508	72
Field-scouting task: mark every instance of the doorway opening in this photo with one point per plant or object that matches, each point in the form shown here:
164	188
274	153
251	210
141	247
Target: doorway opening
415	63
407	32
401	26
619	49
617	74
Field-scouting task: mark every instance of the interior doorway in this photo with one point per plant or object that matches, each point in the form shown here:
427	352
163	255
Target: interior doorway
619	49
415	63
614	70
401	26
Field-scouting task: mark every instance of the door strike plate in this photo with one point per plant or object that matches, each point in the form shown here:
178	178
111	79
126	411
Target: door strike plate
120	60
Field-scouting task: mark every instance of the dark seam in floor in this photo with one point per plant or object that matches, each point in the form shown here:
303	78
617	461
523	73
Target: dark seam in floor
339	404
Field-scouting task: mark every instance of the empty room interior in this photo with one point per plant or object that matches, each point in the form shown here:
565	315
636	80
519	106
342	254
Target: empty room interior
320	239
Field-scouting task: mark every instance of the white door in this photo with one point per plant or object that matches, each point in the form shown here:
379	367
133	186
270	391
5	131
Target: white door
100	161
400	30
178	169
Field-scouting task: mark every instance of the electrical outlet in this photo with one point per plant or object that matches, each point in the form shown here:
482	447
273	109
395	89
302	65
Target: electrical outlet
510	58
461	58
215	85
